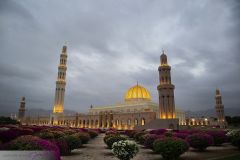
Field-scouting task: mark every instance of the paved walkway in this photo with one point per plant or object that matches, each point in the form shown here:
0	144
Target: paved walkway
96	150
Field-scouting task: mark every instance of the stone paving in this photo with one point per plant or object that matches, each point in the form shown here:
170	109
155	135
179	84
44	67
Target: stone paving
96	150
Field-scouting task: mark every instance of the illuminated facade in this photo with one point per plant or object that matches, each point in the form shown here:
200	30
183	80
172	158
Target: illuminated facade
165	90
137	109
61	82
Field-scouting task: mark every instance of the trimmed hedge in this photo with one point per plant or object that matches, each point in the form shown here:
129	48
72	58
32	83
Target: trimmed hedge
85	137
170	147
200	141
109	141
149	139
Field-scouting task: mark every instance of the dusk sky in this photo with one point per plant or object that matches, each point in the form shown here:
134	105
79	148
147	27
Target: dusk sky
113	44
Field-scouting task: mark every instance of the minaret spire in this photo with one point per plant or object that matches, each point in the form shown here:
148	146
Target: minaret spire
61	82
220	109
165	90
21	111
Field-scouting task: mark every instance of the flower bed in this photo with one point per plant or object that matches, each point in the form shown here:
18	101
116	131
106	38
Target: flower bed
29	142
219	137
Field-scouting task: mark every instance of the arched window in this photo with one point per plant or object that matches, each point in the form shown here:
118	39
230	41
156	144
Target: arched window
117	122
129	122
136	122
143	122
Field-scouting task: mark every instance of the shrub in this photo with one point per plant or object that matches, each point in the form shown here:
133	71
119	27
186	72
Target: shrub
168	134
158	131
141	139
125	149
181	135
138	135
130	133
83	136
58	134
93	133
63	146
234	137
236	141
23	131
73	141
170	147
46	135
111	132
108	136
69	131
29	142
8	135
50	134
111	140
7	120
149	139
219	137
200	141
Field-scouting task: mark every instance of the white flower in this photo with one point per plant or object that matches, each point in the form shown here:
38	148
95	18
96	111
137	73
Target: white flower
125	149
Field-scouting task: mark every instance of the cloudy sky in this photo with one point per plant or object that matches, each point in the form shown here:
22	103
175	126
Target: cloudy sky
113	44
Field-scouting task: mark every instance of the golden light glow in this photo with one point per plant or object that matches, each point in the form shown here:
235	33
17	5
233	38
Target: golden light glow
57	109
137	92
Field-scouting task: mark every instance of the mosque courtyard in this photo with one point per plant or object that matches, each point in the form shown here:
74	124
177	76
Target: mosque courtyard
97	150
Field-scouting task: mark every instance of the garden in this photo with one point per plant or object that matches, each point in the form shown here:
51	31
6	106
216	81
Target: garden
78	143
61	141
171	144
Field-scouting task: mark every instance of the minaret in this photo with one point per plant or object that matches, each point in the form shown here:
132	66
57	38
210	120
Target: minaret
21	110
61	82
219	107
165	90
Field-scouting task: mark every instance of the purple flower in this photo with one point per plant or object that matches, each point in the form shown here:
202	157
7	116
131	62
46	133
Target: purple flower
158	131
200	141
181	135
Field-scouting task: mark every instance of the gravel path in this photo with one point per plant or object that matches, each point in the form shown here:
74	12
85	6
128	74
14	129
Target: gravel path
96	150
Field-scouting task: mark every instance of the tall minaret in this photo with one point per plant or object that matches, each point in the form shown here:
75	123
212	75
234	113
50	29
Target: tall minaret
165	90
21	110
219	107
61	83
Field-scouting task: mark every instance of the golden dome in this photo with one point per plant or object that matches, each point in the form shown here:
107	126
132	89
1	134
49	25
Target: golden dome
137	92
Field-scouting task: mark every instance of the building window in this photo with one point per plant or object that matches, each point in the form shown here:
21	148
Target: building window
136	122
143	122
117	122
129	122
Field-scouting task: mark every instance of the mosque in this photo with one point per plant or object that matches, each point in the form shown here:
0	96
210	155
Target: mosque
136	111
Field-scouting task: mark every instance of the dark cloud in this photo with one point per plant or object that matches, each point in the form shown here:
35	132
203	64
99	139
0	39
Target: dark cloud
114	44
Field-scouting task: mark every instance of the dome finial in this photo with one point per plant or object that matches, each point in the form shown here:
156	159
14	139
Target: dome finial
163	59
